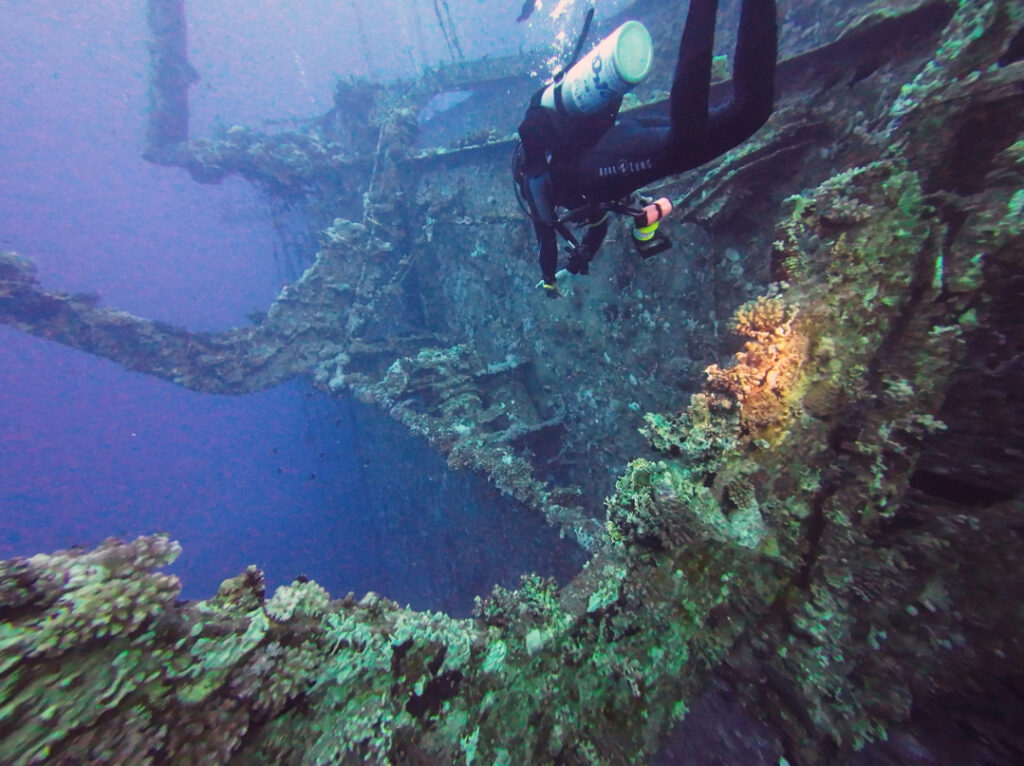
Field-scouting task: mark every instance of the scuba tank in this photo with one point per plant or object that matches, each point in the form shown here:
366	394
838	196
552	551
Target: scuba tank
613	68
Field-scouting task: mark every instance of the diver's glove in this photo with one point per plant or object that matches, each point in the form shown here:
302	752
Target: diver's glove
579	261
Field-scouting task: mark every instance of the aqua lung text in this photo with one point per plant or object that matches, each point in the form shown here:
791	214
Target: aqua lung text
625	166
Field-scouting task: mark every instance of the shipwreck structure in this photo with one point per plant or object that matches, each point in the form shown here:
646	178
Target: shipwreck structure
820	531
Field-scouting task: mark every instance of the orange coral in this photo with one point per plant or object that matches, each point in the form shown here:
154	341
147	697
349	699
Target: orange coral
762	316
765	379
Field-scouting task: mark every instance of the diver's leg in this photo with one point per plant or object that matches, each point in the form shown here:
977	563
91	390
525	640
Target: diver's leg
754	61
631	155
691	84
753	80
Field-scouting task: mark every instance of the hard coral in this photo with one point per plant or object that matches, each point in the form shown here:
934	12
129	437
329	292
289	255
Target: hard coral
302	597
73	596
763	316
765	379
741	494
241	594
700	434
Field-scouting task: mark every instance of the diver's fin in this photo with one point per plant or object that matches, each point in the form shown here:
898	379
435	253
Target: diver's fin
528	8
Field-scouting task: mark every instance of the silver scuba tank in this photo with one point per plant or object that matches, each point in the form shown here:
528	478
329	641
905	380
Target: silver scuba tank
613	68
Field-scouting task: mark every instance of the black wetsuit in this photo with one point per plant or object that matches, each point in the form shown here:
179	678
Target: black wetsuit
572	160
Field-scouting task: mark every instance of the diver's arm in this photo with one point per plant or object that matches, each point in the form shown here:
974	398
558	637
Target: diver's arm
538	136
536	191
535	132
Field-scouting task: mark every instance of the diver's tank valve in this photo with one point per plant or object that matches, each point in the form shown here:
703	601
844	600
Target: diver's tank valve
618	63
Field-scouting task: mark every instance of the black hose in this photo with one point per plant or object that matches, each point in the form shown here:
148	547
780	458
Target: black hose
579	46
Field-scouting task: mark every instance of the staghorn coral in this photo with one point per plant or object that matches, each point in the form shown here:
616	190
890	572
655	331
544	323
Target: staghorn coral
706	429
536	598
97	635
56	605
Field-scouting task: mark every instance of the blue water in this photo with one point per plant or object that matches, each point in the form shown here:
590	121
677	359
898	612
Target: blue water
285	479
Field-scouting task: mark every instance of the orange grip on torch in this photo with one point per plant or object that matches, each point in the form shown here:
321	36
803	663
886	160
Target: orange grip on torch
654	212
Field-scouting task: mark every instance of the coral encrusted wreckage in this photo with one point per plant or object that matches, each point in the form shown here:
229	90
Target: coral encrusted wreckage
826	524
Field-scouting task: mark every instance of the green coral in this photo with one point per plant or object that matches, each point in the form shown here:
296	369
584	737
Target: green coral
75	596
1014	218
975	31
301	597
701	434
57	604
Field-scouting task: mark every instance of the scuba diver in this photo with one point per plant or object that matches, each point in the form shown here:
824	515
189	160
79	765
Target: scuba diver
574	154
